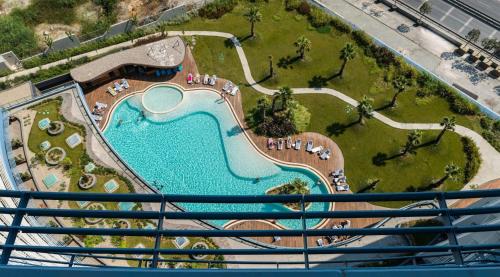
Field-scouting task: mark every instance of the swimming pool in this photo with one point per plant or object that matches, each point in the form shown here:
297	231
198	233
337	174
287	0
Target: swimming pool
199	148
161	98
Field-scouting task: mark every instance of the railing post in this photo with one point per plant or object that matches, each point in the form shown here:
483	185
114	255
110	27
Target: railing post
452	236
304	229
159	228
71	261
16	222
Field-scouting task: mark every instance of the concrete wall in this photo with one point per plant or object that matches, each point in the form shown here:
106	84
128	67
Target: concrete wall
9	61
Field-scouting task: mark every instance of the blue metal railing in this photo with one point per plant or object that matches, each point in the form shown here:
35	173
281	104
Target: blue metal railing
454	249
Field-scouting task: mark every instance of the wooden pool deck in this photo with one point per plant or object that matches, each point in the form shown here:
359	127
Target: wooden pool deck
324	167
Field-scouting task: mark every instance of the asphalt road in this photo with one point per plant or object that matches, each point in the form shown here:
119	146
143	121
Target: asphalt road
459	21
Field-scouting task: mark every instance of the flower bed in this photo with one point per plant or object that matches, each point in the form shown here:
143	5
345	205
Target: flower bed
55	155
55	128
87	181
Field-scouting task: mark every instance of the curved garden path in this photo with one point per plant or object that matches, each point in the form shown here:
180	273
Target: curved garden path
491	158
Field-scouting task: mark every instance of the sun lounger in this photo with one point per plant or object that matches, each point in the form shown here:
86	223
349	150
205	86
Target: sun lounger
212	80
235	90
289	143
317	149
197	78
309	145
100	105
190	79
124	83
270	143
111	91
320	242
227	86
280	144
297	144
276	239
118	87
343	187
325	155
205	79
96	117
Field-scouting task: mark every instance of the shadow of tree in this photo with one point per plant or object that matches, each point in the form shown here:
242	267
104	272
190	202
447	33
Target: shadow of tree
228	43
243	39
318	82
337	128
379	159
235	130
287	61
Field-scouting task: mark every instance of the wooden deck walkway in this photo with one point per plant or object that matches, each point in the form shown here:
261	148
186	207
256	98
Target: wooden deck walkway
140	82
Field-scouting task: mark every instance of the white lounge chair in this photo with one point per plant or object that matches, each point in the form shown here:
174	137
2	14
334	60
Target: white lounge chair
206	79
197	78
280	144
309	145
270	143
227	86
235	90
320	242
317	149
111	91
325	155
297	144
289	142
118	87
212	80
100	105
124	83
96	117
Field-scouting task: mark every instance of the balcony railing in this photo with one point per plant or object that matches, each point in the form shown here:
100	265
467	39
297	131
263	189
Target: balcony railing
456	253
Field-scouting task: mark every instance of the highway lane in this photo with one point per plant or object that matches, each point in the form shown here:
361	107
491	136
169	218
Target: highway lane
488	7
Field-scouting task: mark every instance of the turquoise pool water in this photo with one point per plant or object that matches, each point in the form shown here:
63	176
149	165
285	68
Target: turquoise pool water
199	149
160	99
126	206
111	186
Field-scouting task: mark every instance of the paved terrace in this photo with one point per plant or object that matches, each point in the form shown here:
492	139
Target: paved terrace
138	83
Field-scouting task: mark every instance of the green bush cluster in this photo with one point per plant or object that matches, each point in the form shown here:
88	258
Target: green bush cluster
292	5
473	159
319	18
16	37
491	131
48	11
217	9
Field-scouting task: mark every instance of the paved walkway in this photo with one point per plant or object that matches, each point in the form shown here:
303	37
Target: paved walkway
491	158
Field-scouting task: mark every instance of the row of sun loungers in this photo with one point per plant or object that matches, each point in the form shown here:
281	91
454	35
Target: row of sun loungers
118	87
229	87
323	153
98	111
333	239
339	180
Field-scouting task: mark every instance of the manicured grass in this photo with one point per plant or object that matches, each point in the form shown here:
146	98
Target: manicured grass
359	144
276	35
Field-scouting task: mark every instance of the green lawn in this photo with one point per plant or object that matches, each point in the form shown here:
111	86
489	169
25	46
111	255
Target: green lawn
359	144
276	35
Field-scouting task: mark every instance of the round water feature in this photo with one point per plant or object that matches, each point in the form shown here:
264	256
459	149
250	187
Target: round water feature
161	99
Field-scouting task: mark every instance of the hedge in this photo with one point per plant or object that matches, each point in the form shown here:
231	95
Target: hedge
473	159
217	9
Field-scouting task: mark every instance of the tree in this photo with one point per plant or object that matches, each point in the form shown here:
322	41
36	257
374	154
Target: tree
263	104
16	37
450	171
298	186
162	27
253	15
492	46
472	36
271	67
426	8
107	6
448	124
285	94
303	44
347	53
399	83
365	109
412	141
70	35
47	39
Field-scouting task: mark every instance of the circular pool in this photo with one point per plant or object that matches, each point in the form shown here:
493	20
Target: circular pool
161	99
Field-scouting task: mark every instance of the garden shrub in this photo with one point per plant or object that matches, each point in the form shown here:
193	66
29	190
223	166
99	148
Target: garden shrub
292	5
319	18
362	39
486	123
217	8
383	56
473	159
16	37
340	25
304	8
459	105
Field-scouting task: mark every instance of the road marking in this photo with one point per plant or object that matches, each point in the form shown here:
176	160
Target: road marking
447	13
492	34
465	25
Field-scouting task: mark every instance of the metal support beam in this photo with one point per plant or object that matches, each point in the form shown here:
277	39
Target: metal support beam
12	235
159	228
452	236
304	235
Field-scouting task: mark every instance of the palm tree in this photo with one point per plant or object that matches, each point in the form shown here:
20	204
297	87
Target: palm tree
414	138
493	46
253	15
162	28
271	67
448	123
487	44
303	44
48	41
472	36
365	109
298	186
347	53
286	95
450	171
426	8
399	83
263	106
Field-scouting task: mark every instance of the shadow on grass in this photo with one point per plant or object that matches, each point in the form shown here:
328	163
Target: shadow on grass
318	82
286	62
228	43
337	129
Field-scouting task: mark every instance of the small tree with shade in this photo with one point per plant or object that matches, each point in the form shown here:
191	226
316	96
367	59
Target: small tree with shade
412	141
365	109
426	8
400	83
253	16
450	171
347	53
472	36
448	124
162	28
303	44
